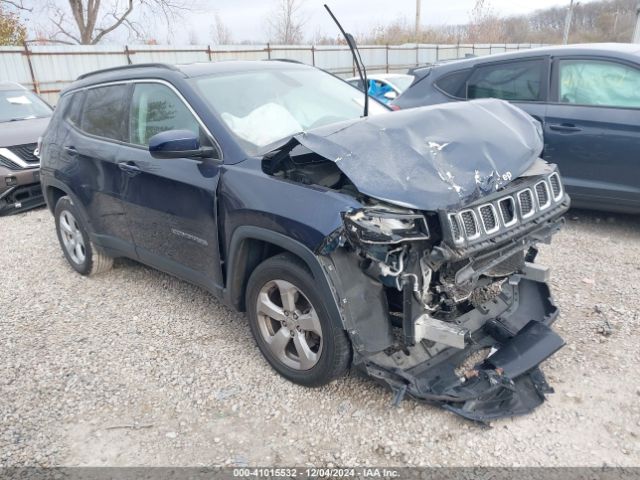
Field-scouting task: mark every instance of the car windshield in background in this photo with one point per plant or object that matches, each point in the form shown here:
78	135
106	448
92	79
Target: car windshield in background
21	105
261	107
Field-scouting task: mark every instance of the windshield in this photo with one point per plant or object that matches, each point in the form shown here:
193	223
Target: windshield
21	105
261	107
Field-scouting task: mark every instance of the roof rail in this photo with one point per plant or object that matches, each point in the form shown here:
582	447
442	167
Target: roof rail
128	67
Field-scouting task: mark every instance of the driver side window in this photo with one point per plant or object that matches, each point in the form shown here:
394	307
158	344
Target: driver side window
156	108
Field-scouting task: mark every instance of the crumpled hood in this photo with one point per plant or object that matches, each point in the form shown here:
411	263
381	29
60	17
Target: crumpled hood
433	157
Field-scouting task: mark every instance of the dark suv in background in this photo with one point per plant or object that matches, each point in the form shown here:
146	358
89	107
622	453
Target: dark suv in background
402	243
587	98
23	119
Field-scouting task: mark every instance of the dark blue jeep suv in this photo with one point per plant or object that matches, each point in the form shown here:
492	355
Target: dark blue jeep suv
400	243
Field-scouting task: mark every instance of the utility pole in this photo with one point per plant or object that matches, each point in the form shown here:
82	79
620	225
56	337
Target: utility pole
418	5
636	33
567	23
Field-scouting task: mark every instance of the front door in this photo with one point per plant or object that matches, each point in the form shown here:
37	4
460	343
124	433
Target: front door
592	131
170	203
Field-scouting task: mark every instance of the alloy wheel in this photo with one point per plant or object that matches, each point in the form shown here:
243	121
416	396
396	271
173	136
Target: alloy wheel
72	237
289	325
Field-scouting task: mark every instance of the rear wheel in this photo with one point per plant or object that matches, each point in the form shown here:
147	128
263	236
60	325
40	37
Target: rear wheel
292	325
81	254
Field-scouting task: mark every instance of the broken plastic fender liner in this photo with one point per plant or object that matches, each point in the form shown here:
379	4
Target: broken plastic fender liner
532	345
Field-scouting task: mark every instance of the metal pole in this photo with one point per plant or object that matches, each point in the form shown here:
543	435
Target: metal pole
636	33
386	56
36	86
418	5
567	24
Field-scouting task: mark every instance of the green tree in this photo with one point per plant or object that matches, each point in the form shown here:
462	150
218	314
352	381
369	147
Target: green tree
12	31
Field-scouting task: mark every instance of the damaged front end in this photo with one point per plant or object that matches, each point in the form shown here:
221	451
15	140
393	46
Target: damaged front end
435	276
450	307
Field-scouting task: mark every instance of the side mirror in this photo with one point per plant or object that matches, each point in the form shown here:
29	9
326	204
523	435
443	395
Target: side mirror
391	95
178	144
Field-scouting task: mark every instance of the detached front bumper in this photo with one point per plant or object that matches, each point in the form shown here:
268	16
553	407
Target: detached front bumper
19	190
507	382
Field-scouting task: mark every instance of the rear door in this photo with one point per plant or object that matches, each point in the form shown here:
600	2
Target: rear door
170	203
98	120
593	130
523	82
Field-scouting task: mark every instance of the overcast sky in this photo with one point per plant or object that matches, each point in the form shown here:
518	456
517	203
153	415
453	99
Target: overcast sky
247	18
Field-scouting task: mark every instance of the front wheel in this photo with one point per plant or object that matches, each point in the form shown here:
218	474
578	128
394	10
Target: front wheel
74	240
292	325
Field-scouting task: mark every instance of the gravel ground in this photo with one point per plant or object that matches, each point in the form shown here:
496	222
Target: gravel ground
134	367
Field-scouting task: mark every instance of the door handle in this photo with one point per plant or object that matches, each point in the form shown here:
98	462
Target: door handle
564	127
129	168
70	149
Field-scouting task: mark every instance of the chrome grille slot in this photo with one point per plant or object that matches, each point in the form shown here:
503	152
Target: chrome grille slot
542	194
455	228
489	218
525	199
470	224
556	186
508	211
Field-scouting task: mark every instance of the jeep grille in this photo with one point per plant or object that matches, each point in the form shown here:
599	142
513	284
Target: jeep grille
504	213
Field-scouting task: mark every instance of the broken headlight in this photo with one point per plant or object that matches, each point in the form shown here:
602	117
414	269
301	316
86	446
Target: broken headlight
382	226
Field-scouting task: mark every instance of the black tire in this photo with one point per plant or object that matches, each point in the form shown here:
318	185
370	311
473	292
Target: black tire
335	354
92	261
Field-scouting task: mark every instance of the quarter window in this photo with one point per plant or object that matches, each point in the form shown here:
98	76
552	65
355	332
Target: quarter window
516	81
453	83
105	111
156	108
73	108
595	82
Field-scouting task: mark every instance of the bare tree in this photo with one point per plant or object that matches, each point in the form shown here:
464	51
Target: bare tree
194	38
89	21
484	25
220	33
285	22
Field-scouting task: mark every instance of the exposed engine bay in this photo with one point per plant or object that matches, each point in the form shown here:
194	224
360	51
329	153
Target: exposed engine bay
438	287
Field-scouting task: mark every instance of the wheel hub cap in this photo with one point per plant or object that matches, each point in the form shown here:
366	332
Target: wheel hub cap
72	237
289	324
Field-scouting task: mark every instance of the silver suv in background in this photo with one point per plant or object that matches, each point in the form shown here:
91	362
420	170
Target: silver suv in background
23	119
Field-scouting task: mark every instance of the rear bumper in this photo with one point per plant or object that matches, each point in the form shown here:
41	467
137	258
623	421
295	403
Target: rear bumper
19	190
507	383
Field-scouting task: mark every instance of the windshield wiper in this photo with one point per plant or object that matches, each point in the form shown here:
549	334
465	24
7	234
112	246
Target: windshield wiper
362	71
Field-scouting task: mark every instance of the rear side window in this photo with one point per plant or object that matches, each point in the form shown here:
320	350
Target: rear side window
73	108
594	82
509	81
453	84
156	108
105	111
